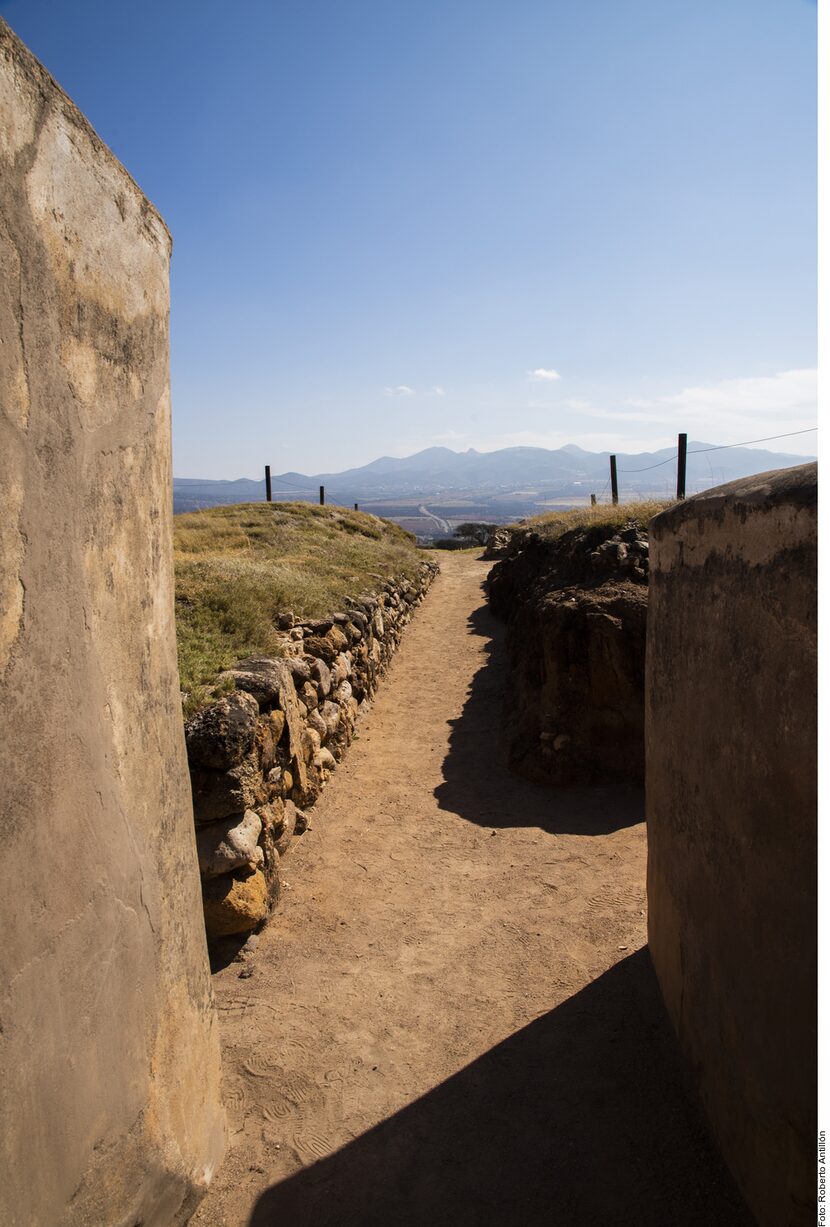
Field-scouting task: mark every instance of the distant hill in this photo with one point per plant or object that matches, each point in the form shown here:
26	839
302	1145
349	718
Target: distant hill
499	485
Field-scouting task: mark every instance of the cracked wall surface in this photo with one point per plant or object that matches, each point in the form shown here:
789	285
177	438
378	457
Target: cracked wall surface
109	1054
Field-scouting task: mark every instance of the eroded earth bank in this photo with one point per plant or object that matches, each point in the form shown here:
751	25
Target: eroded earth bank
452	1017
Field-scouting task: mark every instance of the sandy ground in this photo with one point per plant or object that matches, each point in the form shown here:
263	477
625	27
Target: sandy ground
451	1017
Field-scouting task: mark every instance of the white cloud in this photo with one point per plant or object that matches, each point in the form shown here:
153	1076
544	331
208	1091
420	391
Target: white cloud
401	390
541	373
753	398
438	391
730	411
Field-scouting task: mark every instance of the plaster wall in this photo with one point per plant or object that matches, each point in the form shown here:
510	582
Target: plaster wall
731	811
109	1059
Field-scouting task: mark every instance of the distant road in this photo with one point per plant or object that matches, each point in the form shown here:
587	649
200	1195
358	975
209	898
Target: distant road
442	524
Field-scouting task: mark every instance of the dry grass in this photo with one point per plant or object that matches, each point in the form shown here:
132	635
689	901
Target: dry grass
554	523
238	567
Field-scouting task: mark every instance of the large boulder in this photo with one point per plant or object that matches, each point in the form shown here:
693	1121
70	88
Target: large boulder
324	760
343	693
321	674
300	670
311	744
308	695
280	674
315	721
276	720
342	669
235	903
217	794
279	822
330	714
351	631
230	844
260	676
337	639
269	730
322	647
220	735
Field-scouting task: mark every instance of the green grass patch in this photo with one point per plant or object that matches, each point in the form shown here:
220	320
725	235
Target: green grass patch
239	567
555	523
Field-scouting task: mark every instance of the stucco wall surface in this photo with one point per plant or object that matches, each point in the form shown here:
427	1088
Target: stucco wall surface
731	812
109	1060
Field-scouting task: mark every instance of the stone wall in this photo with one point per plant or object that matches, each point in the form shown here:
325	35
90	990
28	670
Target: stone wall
731	808
109	1057
260	755
575	608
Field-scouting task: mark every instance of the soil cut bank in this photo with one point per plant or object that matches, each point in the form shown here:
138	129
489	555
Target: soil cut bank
453	1019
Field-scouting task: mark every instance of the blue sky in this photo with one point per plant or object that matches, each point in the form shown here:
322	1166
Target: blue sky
464	222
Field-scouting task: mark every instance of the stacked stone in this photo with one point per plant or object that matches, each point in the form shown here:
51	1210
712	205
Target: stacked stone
498	543
575	607
260	755
626	551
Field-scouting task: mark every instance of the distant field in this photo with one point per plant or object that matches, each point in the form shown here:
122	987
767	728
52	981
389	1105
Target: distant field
419	526
452	511
498	509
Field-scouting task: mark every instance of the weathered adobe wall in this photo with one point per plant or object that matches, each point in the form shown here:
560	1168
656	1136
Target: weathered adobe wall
261	755
109	1059
575	609
731	808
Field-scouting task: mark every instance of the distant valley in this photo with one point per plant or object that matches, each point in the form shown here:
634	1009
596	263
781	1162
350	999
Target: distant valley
434	490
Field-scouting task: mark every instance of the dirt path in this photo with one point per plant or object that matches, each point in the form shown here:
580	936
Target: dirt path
451	1018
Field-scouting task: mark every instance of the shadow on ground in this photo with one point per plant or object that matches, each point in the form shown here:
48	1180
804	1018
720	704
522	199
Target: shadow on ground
479	785
222	951
583	1117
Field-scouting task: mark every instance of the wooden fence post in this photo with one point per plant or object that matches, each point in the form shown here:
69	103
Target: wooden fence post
593	500
322	496
268	483
615	494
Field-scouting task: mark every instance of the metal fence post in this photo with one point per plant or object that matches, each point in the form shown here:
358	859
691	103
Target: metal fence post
681	466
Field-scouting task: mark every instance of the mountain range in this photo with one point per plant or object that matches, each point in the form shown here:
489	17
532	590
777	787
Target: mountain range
496	485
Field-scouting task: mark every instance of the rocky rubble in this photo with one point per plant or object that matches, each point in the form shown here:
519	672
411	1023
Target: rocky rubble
576	613
260	755
498	543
